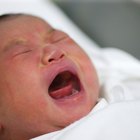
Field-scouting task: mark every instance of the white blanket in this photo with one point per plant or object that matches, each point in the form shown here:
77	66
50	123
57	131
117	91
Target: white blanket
117	121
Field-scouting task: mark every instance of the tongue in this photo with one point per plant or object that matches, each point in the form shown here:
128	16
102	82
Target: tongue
62	92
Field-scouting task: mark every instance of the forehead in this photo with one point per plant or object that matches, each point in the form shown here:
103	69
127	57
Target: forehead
22	27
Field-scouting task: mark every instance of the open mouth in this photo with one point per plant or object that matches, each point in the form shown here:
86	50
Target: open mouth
64	85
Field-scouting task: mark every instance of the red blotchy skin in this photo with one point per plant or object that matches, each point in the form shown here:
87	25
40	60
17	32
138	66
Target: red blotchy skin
32	53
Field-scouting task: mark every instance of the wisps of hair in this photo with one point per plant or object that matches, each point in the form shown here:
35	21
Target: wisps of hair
9	16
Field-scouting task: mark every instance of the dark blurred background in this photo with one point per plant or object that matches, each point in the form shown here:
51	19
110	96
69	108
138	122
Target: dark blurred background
110	23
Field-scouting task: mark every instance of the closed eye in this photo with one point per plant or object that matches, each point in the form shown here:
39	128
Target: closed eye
22	52
61	39
57	36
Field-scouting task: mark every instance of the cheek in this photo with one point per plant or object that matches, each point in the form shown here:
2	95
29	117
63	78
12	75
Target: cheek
82	60
21	76
88	72
24	95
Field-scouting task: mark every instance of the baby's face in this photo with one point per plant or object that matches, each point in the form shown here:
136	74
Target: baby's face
46	80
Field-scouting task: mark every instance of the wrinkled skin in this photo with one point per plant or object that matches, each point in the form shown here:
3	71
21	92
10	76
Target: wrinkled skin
30	51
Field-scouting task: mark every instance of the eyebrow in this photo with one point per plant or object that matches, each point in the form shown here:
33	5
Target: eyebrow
13	43
51	30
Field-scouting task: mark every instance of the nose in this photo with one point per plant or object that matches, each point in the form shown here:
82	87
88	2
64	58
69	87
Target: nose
51	54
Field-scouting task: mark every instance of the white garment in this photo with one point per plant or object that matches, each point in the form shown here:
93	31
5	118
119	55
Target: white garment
117	121
119	75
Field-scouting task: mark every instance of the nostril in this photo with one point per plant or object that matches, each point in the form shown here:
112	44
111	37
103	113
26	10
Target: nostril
55	58
51	59
62	56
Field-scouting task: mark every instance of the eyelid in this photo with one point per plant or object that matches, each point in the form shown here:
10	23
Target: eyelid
14	43
60	39
21	53
19	49
58	36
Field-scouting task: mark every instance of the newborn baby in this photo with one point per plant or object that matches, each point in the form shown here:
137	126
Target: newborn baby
46	80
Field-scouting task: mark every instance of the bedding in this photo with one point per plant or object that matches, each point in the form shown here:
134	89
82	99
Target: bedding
117	121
